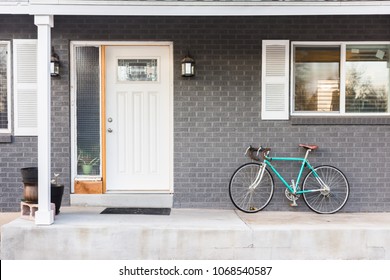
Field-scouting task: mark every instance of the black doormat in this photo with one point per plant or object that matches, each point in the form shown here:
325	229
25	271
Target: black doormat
138	211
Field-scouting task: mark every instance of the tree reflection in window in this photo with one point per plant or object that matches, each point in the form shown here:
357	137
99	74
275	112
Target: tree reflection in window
367	79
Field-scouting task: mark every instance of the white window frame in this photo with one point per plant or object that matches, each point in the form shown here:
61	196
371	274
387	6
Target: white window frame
342	45
9	105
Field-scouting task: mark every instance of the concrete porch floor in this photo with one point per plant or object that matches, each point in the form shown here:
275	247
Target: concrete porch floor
199	234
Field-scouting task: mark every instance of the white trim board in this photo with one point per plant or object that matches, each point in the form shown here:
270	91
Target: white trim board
194	8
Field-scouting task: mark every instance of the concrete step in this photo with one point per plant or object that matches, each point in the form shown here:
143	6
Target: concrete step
200	234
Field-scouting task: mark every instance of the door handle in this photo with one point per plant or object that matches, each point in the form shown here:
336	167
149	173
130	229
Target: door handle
109	130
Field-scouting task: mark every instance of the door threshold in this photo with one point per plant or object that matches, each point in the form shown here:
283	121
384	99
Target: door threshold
149	200
137	192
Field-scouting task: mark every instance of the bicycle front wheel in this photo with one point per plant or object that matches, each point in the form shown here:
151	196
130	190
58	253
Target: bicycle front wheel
245	194
328	192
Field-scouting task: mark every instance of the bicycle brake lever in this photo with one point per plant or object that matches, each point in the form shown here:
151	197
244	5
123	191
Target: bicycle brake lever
247	149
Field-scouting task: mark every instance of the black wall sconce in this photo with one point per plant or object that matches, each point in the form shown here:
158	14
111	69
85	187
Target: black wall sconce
54	64
187	66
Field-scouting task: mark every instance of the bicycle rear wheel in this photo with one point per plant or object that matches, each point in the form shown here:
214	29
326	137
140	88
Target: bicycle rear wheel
326	199
246	199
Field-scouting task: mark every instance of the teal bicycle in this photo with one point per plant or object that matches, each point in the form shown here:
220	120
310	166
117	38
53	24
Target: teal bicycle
324	189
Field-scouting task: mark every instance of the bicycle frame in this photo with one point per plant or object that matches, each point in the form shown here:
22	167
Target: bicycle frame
294	188
324	189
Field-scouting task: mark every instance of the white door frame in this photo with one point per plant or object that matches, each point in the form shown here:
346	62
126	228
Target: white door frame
100	44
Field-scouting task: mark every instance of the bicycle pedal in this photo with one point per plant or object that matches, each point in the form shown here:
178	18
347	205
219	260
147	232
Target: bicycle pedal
294	204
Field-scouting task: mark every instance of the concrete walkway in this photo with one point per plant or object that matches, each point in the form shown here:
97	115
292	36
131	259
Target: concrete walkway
199	234
7	217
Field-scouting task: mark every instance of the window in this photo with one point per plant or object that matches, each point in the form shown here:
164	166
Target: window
4	87
340	79
137	70
367	78
317	79
87	81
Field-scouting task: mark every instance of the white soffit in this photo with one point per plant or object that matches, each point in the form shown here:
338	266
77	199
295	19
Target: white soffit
193	8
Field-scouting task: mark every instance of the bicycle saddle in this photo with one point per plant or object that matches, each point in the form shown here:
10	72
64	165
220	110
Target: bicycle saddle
311	147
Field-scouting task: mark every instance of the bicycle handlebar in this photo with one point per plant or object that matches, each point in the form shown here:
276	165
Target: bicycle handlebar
263	151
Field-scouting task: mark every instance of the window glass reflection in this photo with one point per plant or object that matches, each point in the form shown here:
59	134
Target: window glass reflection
317	79
367	78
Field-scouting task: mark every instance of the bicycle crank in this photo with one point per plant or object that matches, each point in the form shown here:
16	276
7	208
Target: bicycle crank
292	197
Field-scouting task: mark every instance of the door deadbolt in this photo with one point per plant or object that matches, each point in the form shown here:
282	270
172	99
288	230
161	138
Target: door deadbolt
109	119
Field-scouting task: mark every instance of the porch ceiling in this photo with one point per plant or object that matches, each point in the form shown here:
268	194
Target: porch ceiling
193	7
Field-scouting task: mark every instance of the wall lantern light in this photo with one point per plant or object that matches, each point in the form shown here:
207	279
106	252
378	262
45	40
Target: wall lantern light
54	64
187	66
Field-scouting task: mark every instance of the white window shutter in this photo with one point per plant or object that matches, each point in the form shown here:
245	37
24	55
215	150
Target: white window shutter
275	80
25	87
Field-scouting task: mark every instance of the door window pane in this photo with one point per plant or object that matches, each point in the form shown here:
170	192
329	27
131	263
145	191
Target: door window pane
88	111
137	70
367	78
317	79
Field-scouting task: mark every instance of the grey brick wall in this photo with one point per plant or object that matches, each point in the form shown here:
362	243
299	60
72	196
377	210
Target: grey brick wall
22	151
217	112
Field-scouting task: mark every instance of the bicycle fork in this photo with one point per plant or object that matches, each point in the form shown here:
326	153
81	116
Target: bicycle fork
259	176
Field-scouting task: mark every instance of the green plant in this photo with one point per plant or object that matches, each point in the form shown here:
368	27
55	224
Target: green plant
85	158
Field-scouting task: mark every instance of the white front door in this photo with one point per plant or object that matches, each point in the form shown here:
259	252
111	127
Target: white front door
139	134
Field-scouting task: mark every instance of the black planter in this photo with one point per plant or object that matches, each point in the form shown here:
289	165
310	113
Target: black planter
56	196
29	175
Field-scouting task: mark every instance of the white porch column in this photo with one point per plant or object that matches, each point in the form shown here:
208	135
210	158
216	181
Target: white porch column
44	215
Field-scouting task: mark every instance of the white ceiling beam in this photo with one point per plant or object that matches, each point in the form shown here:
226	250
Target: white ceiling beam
184	8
